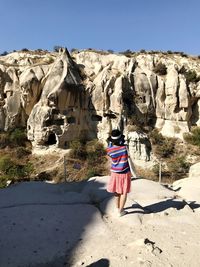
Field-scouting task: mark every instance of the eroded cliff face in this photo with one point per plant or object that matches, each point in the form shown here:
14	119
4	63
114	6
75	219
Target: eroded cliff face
60	99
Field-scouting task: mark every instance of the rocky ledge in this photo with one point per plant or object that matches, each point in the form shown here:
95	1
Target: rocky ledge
75	224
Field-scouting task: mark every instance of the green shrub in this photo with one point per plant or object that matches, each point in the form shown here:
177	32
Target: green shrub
191	76
110	51
182	70
93	155
5	53
95	152
156	137
78	149
155	169
28	169
9	168
22	152
5	164
16	171
3	181
18	137
127	53
56	48
73	50
95	146
4	139
183	54
24	50
160	69
193	137
178	166
12	170
166	148
89	150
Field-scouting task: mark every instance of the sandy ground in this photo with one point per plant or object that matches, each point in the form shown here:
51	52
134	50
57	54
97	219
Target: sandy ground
76	224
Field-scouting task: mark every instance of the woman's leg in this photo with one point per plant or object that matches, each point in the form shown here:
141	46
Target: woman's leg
122	202
117	199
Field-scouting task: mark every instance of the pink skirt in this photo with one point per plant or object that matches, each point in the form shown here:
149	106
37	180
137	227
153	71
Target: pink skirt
119	183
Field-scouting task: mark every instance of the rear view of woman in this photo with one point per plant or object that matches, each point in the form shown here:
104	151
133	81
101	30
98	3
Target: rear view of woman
120	179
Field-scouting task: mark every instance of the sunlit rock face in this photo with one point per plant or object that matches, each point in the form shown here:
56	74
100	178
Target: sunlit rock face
62	112
60	98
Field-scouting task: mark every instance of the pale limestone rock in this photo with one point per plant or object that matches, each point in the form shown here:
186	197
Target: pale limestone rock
171	86
139	146
194	170
189	188
116	103
160	99
183	93
30	82
47	93
196	112
172	128
60	113
197	93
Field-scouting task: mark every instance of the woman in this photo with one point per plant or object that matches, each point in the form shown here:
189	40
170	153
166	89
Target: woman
120	179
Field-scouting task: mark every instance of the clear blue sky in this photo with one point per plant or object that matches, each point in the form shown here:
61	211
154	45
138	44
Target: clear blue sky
101	24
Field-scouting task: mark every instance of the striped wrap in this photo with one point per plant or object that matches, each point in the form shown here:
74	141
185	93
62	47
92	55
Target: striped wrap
119	157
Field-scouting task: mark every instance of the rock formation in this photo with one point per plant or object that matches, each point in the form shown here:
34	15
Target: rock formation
60	98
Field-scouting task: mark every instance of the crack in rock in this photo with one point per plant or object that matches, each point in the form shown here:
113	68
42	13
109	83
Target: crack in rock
151	245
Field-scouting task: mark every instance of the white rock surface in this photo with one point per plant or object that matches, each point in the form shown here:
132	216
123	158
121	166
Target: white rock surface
189	188
76	224
194	170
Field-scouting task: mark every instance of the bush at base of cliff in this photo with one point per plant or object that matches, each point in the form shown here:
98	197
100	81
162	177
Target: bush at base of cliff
11	170
91	150
193	137
78	149
178	166
18	137
172	169
14	138
156	137
86	159
4	139
3	181
22	152
164	147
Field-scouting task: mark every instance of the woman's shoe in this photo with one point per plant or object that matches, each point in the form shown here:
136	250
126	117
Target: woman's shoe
122	213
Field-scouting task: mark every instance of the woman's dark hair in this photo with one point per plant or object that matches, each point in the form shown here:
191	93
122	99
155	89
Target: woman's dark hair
118	142
114	138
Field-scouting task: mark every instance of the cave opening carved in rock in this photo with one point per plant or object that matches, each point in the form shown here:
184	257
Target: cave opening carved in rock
51	139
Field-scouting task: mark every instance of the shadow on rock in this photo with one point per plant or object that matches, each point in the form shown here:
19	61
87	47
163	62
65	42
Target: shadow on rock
45	224
100	263
161	206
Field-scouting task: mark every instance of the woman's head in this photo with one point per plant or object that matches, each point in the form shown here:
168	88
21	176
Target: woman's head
116	137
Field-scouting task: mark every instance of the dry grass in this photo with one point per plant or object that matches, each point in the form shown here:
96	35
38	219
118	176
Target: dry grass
146	173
